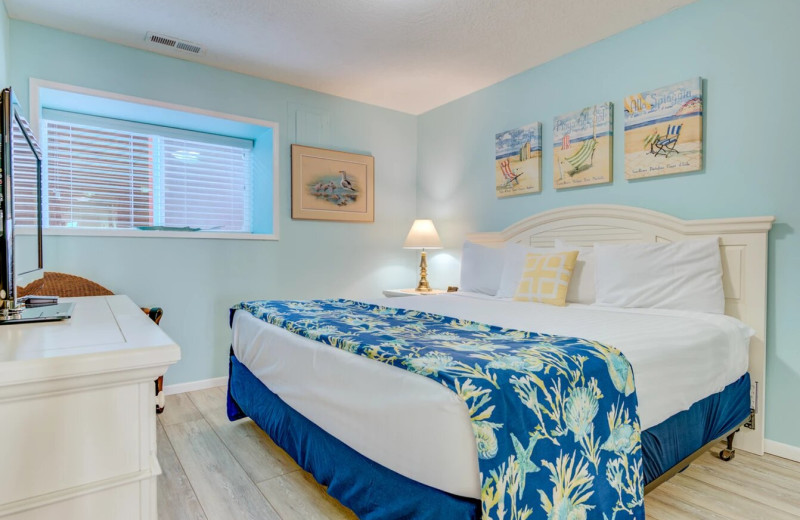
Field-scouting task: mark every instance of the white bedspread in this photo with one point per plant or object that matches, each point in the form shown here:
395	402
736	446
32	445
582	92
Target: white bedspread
418	428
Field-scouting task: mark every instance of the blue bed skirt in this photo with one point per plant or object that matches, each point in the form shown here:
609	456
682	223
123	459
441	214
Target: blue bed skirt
669	442
374	492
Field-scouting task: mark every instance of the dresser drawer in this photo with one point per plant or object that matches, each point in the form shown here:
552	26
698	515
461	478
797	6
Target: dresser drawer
71	439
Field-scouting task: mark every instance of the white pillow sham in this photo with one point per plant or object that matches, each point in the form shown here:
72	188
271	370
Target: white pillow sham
481	268
581	285
514	257
685	275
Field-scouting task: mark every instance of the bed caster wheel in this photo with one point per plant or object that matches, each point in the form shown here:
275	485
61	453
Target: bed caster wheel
727	454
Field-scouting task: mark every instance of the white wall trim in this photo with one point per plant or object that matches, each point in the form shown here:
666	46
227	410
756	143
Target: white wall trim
787	451
191	386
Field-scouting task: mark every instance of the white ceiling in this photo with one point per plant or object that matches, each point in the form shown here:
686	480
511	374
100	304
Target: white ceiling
408	55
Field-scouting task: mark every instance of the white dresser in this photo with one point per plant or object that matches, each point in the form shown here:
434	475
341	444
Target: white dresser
77	413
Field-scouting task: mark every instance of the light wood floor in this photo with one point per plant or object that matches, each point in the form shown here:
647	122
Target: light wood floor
214	469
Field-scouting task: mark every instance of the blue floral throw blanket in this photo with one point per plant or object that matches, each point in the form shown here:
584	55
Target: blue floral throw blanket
554	417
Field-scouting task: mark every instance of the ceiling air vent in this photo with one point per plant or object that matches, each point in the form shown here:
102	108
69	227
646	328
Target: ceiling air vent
174	43
188	47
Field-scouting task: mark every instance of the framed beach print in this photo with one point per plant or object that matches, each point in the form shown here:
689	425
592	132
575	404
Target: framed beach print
332	185
518	161
664	130
582	144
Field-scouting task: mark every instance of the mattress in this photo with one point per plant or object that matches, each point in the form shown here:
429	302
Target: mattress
421	430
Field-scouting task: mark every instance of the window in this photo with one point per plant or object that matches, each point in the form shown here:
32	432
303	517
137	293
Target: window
114	166
101	177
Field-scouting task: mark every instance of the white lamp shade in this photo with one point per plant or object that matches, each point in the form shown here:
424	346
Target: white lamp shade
423	236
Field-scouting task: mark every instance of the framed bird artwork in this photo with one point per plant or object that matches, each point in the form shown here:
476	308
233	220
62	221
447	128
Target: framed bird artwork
332	185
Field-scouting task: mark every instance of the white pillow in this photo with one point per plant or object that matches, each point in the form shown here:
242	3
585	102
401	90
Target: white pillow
481	268
514	257
581	285
684	275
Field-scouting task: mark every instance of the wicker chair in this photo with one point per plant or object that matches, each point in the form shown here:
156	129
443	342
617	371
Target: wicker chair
70	286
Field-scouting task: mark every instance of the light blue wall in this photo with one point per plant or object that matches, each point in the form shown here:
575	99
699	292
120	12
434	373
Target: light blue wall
197	280
5	47
747	53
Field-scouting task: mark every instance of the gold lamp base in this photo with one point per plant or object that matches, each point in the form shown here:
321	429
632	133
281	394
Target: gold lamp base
423	274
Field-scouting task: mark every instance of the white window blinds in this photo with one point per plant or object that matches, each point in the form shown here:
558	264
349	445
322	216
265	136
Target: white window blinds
105	173
205	186
97	178
24	168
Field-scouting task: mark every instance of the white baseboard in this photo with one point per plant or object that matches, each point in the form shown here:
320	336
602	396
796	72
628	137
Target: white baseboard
787	451
195	385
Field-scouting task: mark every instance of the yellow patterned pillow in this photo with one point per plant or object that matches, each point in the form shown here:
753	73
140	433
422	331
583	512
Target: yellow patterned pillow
545	278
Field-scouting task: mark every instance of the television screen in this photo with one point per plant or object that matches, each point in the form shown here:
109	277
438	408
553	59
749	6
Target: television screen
20	202
25	164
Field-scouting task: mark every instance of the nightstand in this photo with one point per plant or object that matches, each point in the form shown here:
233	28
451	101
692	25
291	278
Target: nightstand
392	293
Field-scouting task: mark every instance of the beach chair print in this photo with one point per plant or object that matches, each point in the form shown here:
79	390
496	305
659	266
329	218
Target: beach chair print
666	145
585	154
510	176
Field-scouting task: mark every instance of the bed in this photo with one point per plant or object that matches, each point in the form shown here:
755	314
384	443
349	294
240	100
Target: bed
390	444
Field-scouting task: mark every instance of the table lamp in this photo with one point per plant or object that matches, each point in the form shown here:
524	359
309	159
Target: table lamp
423	236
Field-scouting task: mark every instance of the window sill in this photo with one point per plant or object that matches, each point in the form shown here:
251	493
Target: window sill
138	233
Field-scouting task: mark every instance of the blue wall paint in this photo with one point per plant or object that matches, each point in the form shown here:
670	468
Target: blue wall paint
197	280
747	53
5	45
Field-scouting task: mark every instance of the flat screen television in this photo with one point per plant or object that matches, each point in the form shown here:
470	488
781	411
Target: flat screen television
21	259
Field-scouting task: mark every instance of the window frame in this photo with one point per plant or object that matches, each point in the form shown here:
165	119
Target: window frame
36	118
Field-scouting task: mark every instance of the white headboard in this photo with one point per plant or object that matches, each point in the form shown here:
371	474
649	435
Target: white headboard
743	244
